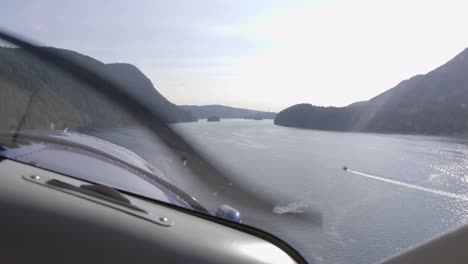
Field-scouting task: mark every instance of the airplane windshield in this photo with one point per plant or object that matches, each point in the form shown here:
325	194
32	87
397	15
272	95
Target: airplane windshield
332	125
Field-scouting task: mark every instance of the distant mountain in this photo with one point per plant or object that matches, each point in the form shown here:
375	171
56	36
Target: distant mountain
434	103
49	97
222	112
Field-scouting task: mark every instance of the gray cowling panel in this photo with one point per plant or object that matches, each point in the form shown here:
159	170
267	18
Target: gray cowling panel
42	225
447	248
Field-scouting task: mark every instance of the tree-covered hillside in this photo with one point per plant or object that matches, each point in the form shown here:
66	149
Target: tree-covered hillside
41	96
434	103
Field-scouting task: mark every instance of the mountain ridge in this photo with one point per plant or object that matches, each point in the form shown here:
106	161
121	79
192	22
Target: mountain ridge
223	112
431	103
41	96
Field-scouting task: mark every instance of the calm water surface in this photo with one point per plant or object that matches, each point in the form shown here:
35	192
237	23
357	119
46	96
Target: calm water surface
399	190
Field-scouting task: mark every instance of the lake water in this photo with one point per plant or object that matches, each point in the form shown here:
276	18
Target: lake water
398	191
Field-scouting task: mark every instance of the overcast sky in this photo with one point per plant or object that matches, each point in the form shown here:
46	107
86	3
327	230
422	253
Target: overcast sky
264	55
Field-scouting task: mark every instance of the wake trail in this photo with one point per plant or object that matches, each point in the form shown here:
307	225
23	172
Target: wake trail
412	186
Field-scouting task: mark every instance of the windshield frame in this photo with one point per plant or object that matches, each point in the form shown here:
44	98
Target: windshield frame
155	180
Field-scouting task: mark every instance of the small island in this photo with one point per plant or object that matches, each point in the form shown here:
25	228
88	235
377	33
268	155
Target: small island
213	119
254	117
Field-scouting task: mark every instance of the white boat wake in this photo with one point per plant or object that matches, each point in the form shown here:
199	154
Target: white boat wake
412	186
292	208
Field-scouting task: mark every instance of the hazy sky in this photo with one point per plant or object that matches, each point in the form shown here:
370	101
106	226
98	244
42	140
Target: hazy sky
264	55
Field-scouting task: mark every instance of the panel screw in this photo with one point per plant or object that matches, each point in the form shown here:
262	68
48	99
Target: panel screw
163	219
35	177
